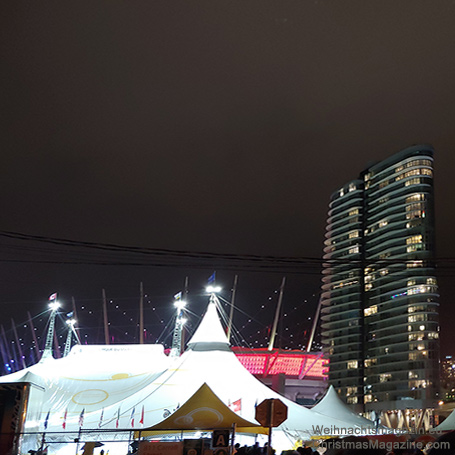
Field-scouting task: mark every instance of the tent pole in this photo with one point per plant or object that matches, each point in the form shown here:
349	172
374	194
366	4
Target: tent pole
231	313
186	290
233	435
141	314
106	326
57	346
315	323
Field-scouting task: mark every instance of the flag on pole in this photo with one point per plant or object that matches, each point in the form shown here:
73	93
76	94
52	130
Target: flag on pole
46	420
64	419
236	406
178	296
142	416
132	417
118	418
101	418
81	418
212	278
53	297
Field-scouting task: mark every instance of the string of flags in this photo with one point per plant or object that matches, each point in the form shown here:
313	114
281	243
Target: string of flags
101	420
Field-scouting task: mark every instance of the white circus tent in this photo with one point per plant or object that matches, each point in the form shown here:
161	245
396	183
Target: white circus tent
138	386
332	405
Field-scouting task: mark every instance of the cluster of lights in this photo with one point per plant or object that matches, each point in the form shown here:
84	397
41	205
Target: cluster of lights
54	305
213	289
180	304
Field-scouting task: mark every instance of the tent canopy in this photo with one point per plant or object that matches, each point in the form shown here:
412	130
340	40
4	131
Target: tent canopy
331	405
448	424
204	411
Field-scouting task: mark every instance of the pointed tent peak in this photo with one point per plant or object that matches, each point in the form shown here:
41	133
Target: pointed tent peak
329	399
331	392
333	406
210	334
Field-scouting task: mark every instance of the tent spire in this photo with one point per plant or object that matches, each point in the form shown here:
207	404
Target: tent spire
210	334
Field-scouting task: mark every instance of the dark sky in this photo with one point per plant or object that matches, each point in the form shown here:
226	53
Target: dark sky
217	126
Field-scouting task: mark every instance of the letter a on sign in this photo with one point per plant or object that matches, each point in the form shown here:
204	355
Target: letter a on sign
220	438
221	442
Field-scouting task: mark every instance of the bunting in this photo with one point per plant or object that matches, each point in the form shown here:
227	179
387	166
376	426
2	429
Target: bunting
81	418
132	417
46	420
118	418
64	419
101	418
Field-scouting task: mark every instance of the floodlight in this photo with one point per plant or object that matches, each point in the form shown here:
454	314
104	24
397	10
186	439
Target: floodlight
71	322
54	305
211	289
180	304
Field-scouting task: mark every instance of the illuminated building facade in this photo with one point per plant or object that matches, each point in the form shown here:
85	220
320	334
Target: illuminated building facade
379	296
299	376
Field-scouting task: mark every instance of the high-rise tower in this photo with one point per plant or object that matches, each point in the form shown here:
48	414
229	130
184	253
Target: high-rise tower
380	300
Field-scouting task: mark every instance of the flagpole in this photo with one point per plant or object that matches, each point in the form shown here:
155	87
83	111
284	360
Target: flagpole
78	439
43	441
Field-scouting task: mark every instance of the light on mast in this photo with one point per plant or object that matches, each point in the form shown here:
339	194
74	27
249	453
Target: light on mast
54	305
212	289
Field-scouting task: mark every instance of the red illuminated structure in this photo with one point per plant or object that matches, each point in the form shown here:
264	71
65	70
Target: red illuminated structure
295	364
299	376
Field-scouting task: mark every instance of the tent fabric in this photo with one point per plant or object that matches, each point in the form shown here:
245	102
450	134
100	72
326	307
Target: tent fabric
138	386
448	424
331	405
210	333
204	411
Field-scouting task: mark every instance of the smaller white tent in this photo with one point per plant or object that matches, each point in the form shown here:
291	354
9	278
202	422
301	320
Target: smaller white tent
331	405
448	424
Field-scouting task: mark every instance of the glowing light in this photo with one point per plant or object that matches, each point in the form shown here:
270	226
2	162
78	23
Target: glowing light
54	306
211	289
180	304
71	322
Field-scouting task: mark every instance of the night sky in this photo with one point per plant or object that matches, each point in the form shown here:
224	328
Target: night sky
207	126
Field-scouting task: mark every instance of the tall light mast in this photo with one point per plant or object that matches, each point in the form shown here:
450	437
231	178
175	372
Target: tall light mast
53	306
180	321
69	336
